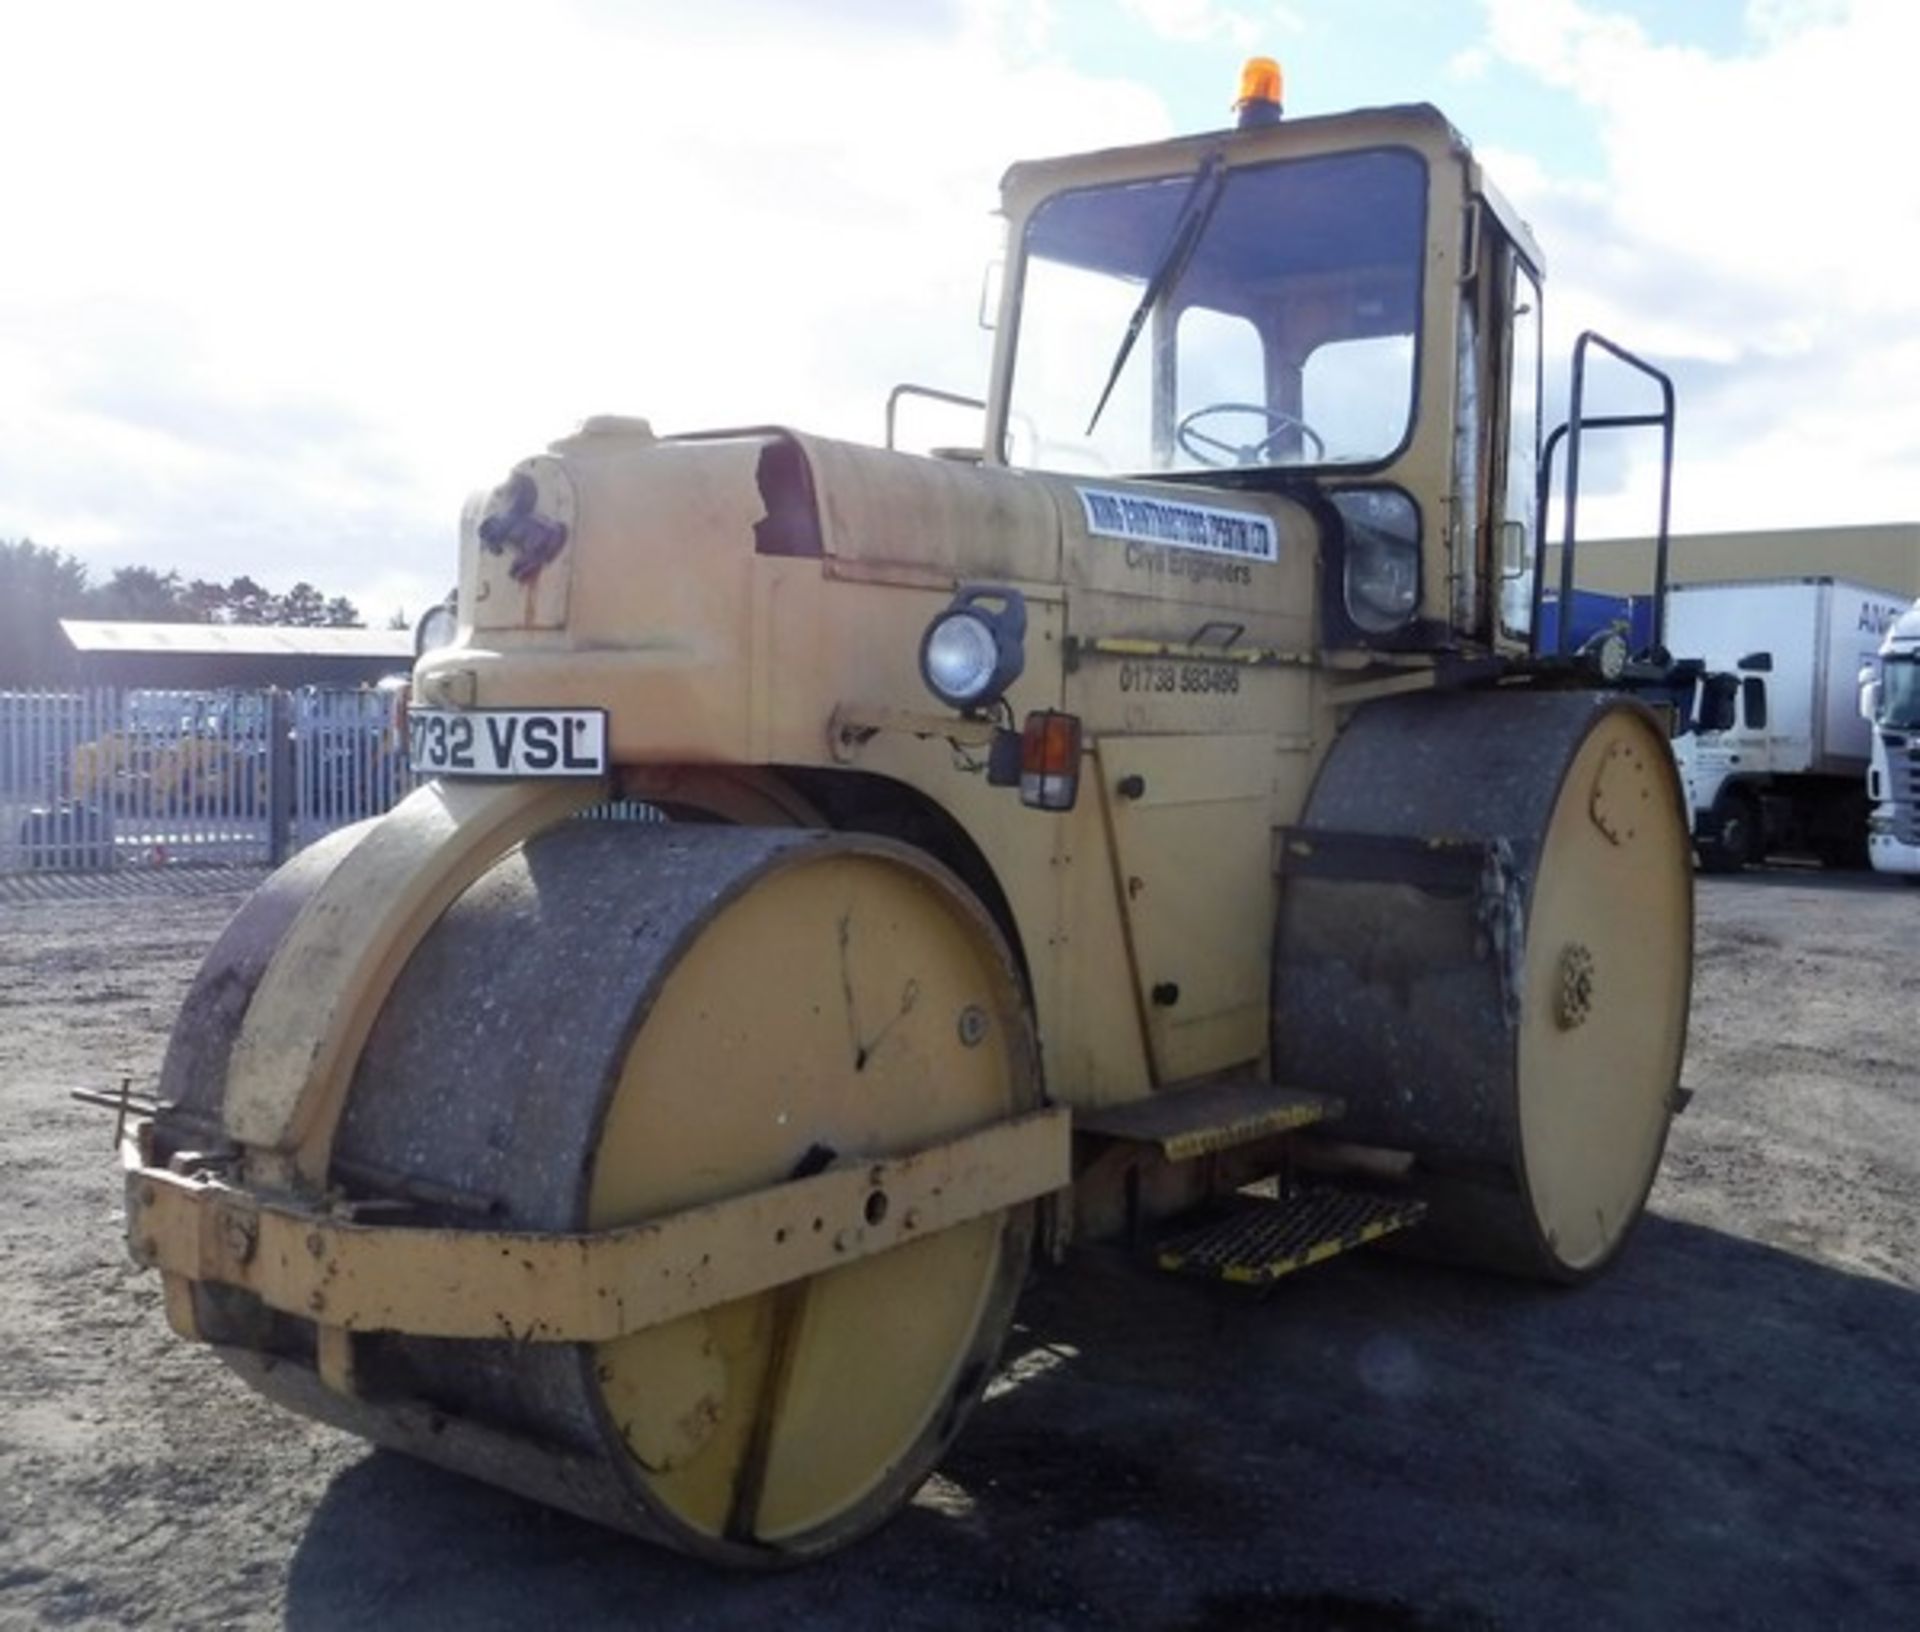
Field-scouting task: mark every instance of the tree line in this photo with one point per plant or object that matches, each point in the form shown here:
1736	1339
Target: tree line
40	586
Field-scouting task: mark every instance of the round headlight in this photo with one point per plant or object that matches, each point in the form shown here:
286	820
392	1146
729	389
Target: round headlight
959	657
1383	581
436	628
1607	652
976	648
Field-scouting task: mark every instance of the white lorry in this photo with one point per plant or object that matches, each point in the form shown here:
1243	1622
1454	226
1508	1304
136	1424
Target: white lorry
1890	703
1789	776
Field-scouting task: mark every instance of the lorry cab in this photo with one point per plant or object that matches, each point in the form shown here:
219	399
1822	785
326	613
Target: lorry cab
1890	703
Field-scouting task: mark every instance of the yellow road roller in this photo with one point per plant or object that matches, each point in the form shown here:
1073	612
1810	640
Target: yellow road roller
843	878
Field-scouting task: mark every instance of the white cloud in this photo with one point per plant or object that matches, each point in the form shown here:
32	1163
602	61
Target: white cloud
1199	22
1776	21
1756	231
284	285
1469	65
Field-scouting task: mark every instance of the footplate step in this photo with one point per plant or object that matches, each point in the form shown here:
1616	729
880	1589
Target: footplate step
1184	1123
1260	1239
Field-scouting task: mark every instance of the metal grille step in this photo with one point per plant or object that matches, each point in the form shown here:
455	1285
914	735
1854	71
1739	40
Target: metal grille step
1259	1239
1188	1122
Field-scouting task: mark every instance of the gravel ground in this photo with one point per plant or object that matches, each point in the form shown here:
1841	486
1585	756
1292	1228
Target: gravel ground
1721	1432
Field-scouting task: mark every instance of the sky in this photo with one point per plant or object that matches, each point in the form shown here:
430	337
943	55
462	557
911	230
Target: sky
284	282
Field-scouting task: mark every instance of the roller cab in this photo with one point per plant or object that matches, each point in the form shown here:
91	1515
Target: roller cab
840	879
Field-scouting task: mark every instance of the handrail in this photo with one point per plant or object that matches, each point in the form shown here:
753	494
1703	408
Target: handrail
1576	423
899	391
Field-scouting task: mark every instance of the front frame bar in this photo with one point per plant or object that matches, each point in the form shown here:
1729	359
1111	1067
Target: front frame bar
428	1281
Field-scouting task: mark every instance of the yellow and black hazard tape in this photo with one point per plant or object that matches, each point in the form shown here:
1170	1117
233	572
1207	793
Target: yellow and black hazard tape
1263	1239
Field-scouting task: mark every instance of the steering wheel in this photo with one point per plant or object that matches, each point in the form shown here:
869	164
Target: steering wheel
1207	449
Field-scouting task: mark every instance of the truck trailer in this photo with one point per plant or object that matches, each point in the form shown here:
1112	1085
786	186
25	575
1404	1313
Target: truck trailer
1789	775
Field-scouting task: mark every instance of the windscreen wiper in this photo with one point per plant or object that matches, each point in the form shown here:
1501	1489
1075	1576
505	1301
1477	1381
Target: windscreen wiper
1195	212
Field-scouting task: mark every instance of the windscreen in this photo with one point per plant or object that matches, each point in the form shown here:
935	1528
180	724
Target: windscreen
1900	693
1268	316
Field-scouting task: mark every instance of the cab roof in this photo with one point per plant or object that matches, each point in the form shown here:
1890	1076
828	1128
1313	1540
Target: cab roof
1416	125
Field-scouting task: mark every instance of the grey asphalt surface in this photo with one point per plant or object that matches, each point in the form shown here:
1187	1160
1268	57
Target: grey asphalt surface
1723	1431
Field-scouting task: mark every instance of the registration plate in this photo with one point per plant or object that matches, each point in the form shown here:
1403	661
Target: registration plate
508	741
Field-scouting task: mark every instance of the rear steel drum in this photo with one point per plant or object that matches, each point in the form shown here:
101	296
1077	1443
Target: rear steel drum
1485	949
